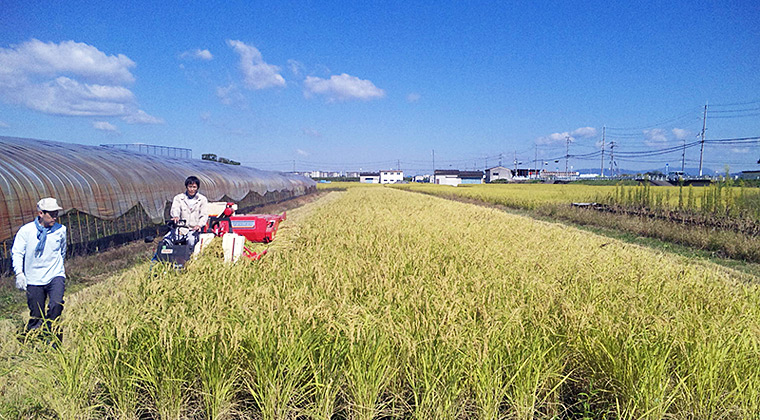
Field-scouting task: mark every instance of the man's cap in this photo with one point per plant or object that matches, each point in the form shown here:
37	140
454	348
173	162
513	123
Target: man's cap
48	204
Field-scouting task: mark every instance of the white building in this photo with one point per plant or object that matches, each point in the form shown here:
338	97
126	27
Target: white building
369	177
455	177
323	174
498	172
560	175
391	177
446	177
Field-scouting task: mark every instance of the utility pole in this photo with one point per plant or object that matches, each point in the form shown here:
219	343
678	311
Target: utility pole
294	165
683	157
604	132
433	176
515	162
535	160
612	158
567	154
702	147
398	164
499	159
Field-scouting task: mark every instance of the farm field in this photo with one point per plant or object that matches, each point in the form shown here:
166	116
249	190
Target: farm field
378	303
722	220
533	196
523	196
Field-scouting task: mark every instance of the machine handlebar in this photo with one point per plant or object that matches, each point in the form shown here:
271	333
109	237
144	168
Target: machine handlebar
179	223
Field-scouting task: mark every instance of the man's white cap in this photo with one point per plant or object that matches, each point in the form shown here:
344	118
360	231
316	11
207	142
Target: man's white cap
48	204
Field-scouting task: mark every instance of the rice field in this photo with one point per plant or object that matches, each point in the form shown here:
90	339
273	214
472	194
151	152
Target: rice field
522	196
376	303
720	199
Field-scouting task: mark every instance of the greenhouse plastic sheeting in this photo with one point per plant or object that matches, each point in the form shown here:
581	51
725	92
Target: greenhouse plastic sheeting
106	182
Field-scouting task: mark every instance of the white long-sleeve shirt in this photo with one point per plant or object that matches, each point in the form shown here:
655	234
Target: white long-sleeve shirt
193	210
39	270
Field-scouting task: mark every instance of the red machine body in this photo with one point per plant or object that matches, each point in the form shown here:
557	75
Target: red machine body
256	227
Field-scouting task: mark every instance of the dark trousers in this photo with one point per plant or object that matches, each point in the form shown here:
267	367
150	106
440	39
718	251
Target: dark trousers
35	299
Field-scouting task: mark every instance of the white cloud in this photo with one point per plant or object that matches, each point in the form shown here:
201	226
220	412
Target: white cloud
554	138
4	124
680	133
69	78
197	54
35	57
342	88
140	117
310	132
296	67
558	138
230	95
105	126
65	96
256	73
302	152
655	137
584	132
740	150
413	97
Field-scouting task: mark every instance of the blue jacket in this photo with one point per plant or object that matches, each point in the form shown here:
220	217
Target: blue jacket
39	270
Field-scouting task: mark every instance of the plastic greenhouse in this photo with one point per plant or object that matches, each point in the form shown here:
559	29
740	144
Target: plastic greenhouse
112	195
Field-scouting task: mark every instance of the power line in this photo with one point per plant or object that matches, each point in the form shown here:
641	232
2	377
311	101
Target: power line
684	116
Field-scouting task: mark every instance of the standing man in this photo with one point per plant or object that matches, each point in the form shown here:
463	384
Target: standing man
37	253
192	207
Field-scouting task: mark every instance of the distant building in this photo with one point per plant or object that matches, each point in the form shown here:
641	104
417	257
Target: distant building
369	177
455	177
446	177
324	174
149	149
471	177
749	175
559	175
352	174
498	172
526	173
391	177
421	178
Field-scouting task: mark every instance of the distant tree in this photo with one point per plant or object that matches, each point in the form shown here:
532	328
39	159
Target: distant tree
214	158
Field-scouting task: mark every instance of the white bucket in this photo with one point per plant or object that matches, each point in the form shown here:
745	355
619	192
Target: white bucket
232	244
204	240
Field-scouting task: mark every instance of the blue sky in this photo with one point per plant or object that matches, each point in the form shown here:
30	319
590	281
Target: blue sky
370	86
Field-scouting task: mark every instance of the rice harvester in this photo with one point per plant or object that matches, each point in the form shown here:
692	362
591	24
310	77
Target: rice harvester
261	228
173	247
222	220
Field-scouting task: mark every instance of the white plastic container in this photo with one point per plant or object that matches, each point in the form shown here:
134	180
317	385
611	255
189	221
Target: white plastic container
232	245
204	239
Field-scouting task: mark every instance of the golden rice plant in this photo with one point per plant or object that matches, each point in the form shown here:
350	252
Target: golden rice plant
379	303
